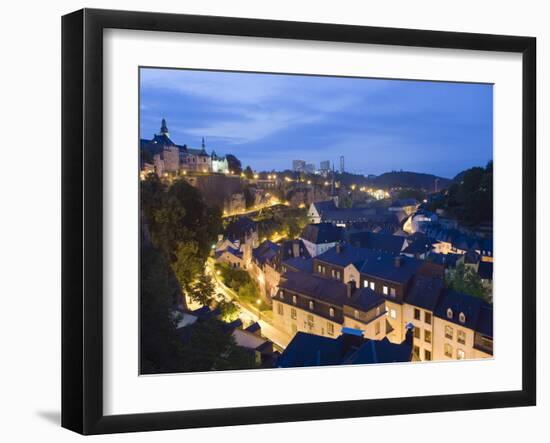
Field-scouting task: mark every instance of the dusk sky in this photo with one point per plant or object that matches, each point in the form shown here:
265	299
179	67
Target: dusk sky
269	120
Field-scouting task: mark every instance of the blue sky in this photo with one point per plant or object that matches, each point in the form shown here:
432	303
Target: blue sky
267	120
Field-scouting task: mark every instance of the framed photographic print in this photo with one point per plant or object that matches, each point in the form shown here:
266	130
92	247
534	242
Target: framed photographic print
269	221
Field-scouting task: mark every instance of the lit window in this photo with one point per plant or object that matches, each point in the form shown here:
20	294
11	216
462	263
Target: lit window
293	313
448	350
318	268
294	299
416	314
462	317
378	311
280	309
460	354
366	284
427	336
372	285
428	318
392	292
385	290
449	313
331	312
330	328
311	305
448	332
355	313
461	337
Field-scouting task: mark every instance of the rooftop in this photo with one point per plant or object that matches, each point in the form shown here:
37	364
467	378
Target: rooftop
321	233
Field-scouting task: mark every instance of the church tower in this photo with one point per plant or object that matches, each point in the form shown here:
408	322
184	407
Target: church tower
164	129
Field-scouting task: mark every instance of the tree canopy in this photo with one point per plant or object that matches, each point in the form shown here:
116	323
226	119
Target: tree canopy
465	280
470	198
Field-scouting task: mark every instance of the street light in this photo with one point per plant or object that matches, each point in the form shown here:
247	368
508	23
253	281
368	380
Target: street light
259	302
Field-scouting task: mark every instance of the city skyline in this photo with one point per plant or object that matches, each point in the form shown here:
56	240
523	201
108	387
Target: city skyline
269	120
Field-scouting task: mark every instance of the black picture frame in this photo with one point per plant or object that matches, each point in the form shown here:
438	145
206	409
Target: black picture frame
82	216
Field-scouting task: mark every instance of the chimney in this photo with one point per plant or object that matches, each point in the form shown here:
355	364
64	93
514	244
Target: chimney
397	261
350	288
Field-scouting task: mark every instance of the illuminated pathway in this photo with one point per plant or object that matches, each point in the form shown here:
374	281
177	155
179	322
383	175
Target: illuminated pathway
250	313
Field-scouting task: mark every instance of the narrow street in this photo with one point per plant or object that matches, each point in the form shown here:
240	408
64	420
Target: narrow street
249	313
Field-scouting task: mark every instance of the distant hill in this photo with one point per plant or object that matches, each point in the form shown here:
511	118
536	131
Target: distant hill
409	179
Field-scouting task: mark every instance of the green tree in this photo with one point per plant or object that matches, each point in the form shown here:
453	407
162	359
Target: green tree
465	280
229	310
187	264
417	194
234	164
160	349
209	347
249	174
202	290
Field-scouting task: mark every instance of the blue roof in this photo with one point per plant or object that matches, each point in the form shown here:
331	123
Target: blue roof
314	350
384	266
311	350
344	255
321	233
266	252
425	292
329	290
364	299
469	305
380	351
299	264
377	241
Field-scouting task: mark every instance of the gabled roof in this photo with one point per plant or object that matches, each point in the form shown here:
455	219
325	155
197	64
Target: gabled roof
364	299
418	245
388	267
377	241
311	350
314	350
324	289
471	306
425	292
321	233
288	246
240	228
323	206
299	264
266	252
344	255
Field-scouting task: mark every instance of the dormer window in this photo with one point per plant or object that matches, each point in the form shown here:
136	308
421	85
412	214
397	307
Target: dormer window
356	314
294	299
331	312
311	305
462	317
449	313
